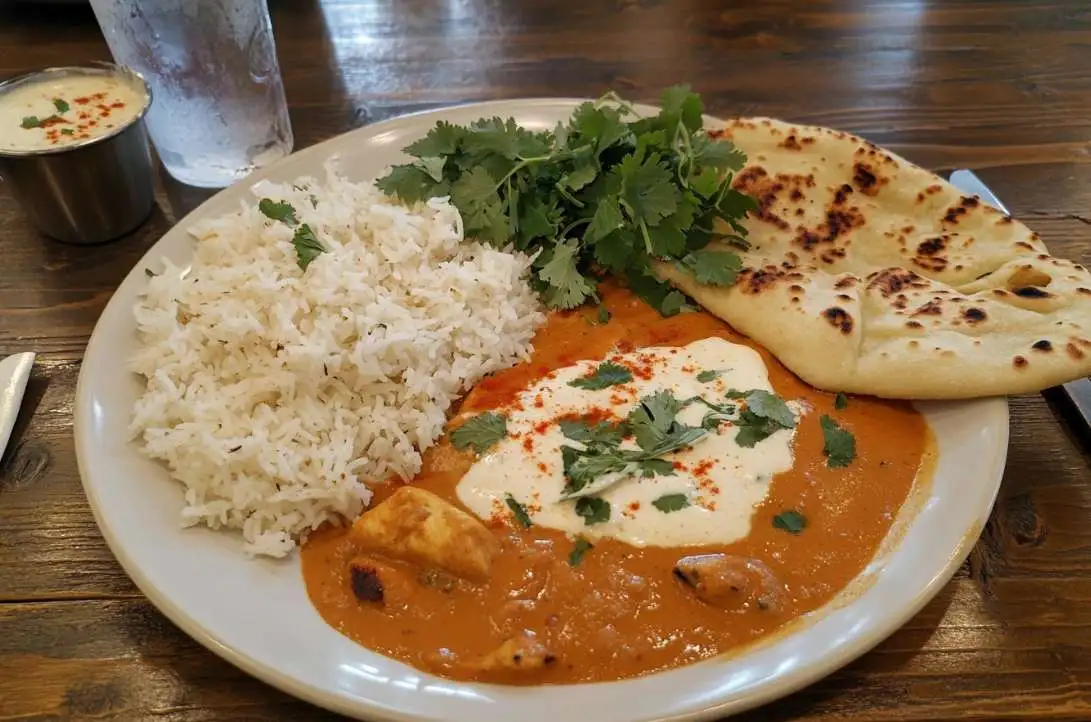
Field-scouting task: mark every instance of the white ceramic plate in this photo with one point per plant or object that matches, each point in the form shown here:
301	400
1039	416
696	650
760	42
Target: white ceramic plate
256	614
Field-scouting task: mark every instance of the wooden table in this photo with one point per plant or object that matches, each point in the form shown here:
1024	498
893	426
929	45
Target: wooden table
1003	87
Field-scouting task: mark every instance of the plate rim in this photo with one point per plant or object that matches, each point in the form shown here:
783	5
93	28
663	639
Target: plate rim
346	704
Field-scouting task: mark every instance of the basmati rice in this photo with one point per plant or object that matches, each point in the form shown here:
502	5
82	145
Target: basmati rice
276	395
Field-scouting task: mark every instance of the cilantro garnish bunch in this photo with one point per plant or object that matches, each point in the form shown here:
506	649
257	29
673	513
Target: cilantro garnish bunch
607	190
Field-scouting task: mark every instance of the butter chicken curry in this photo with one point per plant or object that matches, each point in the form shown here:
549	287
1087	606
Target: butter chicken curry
643	493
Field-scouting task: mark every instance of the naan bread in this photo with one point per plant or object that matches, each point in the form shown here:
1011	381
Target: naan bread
871	275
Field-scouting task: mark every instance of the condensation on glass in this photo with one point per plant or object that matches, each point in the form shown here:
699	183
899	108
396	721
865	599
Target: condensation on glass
218	109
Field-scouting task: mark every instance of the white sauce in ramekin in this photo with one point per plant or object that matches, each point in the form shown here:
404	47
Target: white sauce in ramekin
62	110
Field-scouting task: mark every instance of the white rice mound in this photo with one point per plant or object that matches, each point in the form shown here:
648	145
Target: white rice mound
275	395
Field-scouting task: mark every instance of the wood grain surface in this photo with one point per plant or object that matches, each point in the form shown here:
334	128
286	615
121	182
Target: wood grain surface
1003	87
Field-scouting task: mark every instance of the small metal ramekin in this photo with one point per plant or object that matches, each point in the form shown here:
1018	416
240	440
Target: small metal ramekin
88	192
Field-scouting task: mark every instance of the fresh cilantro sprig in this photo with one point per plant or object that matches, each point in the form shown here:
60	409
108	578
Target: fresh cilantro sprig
657	430
598	462
607	189
481	432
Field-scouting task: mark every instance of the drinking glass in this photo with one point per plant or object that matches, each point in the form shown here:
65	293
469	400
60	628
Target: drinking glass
218	109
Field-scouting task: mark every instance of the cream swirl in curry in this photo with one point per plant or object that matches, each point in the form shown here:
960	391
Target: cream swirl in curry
711	485
493	568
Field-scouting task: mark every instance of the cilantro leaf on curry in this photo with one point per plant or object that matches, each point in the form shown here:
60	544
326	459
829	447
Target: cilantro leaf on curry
765	415
671	502
593	510
770	406
481	432
840	444
589	471
653	419
790	521
601	463
606	188
601	432
606	375
518	511
579	549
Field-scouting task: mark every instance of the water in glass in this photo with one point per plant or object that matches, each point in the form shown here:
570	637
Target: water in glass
218	109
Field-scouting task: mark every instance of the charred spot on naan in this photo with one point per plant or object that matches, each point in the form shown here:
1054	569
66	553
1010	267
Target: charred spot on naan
891	281
928	192
842	194
863	175
974	315
838	224
960	209
932	253
869	166
790	143
1031	292
930	308
769	190
755	182
839	318
761	280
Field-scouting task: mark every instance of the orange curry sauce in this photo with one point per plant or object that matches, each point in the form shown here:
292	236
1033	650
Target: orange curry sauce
621	612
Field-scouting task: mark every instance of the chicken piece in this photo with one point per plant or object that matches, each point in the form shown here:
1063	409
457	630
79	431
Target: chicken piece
380	582
523	652
418	527
728	581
